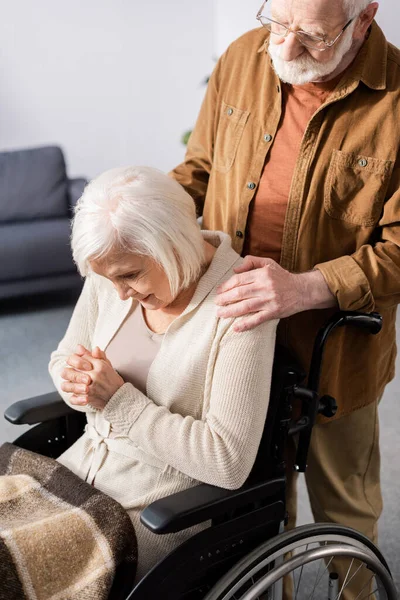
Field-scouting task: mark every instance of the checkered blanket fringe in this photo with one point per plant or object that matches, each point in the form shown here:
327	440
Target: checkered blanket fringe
60	538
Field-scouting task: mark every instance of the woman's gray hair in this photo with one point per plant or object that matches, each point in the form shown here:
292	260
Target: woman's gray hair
141	210
355	7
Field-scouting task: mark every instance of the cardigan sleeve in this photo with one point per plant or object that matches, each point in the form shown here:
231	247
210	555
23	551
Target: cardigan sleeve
80	331
221	448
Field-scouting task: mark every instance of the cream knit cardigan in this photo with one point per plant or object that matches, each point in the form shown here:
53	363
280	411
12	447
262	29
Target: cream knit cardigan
202	417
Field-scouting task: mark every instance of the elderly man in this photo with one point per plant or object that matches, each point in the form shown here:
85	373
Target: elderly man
296	155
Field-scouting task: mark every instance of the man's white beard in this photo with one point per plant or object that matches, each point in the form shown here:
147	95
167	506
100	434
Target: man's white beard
305	69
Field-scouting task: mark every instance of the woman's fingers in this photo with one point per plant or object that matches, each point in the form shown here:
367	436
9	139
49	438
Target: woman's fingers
78	362
75	376
78	400
97	353
74	388
81	350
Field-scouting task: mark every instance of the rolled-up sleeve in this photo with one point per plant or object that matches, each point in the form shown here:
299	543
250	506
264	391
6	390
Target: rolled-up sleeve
369	279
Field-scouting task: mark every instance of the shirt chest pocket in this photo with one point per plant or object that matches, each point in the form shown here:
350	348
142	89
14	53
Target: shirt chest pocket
355	188
231	125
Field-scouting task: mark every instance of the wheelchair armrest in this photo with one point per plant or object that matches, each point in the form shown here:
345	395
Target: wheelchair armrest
37	409
202	503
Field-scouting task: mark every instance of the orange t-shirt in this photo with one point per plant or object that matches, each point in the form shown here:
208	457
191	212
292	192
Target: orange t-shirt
264	231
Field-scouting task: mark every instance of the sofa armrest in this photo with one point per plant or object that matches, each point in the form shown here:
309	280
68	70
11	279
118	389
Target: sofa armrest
202	503
75	191
37	409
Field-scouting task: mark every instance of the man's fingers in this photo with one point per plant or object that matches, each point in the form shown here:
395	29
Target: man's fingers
238	309
234	282
237	294
252	321
252	262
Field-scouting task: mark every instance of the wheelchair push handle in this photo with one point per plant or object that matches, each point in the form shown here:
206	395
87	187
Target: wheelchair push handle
326	405
371	322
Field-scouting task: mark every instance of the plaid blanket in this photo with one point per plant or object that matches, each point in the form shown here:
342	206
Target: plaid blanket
60	538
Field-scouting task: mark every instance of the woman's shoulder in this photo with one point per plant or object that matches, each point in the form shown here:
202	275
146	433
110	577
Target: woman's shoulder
265	330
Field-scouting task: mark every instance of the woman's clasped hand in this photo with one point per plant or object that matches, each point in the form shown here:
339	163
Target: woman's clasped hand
90	378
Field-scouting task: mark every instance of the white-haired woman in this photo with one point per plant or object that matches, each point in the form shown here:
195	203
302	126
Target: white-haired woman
173	394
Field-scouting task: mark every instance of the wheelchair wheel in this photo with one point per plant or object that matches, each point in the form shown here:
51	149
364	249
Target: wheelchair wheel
301	560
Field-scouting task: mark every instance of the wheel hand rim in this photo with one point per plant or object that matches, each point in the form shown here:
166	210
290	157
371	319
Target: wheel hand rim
271	578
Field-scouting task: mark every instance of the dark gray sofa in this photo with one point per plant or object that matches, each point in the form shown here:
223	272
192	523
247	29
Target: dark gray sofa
36	202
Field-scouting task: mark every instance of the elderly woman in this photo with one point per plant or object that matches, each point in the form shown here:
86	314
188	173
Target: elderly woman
173	394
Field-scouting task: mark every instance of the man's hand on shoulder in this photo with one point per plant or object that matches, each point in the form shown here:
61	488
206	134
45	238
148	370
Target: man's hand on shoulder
263	290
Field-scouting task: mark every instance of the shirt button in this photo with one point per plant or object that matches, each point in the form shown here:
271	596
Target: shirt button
267	137
239	234
363	162
251	185
229	112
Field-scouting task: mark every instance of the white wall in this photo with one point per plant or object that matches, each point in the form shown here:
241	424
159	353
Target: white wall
114	82
234	17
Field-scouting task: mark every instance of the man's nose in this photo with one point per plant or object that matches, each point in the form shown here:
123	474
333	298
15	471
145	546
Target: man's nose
290	48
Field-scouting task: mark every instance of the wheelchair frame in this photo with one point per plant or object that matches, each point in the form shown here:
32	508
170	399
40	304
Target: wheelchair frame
241	519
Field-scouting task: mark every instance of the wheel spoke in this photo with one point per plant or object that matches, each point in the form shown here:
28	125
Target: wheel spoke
345	580
322	574
370	594
354	574
301	573
361	591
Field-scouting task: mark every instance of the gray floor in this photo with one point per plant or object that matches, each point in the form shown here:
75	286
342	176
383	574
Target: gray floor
30	330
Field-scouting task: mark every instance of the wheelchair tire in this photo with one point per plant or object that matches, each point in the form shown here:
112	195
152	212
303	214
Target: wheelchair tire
260	574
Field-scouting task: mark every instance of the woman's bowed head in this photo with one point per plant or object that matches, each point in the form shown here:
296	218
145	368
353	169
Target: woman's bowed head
136	227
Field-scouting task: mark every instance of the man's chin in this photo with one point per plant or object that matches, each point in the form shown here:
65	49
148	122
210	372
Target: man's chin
295	75
295	79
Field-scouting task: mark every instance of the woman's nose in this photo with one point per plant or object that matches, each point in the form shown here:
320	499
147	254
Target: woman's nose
122	290
290	47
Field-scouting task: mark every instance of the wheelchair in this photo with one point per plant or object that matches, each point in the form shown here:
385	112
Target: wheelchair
245	553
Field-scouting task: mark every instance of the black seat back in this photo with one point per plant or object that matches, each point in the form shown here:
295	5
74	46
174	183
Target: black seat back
286	373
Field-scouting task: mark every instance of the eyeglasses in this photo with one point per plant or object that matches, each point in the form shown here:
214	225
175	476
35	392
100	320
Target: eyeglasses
306	39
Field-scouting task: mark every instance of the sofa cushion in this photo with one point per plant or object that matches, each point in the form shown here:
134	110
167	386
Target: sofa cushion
33	184
35	249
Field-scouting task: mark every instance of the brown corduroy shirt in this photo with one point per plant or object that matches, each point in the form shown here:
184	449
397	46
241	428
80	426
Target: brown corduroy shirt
343	214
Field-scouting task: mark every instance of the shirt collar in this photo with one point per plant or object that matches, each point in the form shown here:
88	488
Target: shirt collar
369	66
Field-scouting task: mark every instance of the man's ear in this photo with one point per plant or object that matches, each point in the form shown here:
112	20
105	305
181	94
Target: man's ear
365	19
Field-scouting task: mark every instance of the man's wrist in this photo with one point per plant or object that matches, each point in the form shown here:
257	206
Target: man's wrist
314	291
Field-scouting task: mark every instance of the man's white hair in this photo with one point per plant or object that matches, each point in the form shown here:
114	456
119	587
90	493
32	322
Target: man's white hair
139	210
355	7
